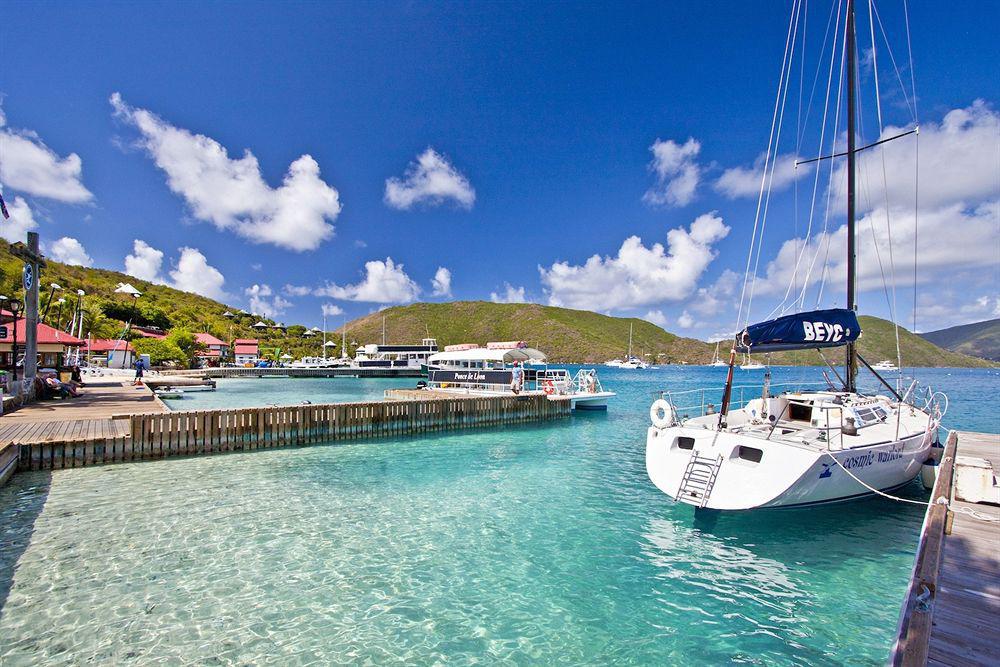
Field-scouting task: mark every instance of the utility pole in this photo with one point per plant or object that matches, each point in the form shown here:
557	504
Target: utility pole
30	274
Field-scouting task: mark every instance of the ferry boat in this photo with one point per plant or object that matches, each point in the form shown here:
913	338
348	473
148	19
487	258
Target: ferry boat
396	356
797	448
319	362
502	369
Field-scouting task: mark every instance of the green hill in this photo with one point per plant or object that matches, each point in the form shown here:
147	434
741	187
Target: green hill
980	339
582	336
564	335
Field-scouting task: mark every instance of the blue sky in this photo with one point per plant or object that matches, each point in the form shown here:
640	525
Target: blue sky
504	143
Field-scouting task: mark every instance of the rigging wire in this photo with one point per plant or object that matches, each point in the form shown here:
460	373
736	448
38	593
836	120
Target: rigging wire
885	190
812	207
770	183
763	181
916	168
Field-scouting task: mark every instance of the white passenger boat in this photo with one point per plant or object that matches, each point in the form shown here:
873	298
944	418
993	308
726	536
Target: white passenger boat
499	369
396	356
796	448
317	362
885	366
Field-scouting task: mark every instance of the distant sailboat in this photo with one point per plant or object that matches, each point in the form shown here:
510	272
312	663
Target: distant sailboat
716	361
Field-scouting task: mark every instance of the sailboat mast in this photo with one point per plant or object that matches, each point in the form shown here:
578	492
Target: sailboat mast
629	342
852	357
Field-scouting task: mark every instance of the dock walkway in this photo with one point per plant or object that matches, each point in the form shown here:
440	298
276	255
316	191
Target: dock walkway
99	399
952	610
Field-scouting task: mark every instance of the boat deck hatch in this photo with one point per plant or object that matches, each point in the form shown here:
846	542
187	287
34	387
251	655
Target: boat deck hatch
750	453
685	442
799	412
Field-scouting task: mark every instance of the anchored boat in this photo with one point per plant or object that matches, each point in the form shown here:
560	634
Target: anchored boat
501	369
796	447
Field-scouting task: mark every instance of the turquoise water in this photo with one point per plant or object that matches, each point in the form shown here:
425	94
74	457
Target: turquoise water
530	545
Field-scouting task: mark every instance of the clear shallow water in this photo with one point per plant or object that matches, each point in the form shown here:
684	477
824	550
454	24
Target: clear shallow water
537	544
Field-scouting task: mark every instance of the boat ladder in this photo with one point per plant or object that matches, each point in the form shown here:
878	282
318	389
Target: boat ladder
698	480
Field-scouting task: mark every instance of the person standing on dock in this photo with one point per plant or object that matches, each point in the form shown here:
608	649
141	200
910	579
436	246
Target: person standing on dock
516	378
139	367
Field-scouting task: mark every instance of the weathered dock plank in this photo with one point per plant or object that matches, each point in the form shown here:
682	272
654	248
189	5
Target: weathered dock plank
951	612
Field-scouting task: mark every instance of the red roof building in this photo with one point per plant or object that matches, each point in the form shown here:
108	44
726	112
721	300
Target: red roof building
53	344
105	345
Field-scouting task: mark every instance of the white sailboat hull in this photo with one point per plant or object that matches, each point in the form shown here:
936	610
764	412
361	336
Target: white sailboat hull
787	475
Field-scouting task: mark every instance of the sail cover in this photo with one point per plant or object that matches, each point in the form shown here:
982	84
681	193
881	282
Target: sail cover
817	328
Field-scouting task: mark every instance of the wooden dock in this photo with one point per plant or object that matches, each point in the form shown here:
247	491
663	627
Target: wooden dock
99	399
161	434
951	615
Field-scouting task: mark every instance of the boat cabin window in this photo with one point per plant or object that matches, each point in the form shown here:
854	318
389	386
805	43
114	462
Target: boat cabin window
750	453
684	442
799	412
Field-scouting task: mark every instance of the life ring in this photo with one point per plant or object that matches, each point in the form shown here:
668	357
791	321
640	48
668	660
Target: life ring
548	387
661	413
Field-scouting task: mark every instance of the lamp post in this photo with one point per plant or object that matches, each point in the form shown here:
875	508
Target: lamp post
61	302
15	308
48	304
3	306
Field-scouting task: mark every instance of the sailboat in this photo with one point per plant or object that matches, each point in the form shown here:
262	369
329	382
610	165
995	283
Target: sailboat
716	361
796	448
630	362
750	364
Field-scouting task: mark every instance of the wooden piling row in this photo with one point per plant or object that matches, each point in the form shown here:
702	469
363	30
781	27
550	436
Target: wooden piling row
187	433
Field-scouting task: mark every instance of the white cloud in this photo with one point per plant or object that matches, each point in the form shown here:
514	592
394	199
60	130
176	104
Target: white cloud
745	181
383	282
22	221
145	262
945	308
949	237
261	301
296	290
442	282
716	297
332	310
31	167
510	294
70	251
685	321
638	275
677	172
958	163
430	180
194	274
231	193
958	219
656	317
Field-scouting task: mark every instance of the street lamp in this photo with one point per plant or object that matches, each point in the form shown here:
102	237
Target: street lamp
48	304
15	308
60	303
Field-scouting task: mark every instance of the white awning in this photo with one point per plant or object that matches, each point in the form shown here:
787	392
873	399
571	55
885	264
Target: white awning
484	354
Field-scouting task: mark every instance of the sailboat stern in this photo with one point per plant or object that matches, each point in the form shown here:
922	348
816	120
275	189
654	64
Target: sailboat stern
722	470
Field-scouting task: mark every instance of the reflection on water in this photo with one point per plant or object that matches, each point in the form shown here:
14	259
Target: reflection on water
532	544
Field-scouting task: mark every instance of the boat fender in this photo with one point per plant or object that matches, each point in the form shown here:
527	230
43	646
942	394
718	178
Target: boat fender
548	387
661	413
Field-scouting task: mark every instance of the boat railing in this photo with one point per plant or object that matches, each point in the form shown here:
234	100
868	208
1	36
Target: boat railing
690	403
